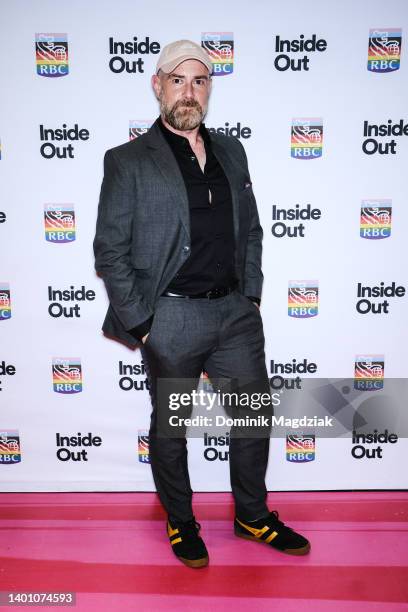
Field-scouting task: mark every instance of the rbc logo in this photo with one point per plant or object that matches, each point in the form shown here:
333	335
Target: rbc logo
138	127
66	375
300	448
306	138
303	299
220	48
143	446
59	221
369	372
10	451
375	219
5	302
51	52
384	50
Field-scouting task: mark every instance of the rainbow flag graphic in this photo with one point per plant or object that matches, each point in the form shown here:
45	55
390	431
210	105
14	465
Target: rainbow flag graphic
303	299
300	448
10	451
143	446
220	48
375	219
5	302
137	127
66	375
384	49
51	55
59	222
306	138
369	372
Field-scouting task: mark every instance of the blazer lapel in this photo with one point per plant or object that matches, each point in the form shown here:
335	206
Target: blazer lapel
169	168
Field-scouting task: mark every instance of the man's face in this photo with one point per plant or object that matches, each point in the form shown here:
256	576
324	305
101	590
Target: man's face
183	94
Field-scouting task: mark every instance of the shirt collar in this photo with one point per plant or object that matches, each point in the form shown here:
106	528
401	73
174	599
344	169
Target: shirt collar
181	142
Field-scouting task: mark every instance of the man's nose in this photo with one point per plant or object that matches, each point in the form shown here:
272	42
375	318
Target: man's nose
188	89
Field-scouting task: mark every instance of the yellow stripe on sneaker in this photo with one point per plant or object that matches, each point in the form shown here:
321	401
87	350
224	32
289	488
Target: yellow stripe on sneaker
271	537
171	532
256	532
176	541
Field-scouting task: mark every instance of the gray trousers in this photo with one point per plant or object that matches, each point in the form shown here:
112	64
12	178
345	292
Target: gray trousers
225	338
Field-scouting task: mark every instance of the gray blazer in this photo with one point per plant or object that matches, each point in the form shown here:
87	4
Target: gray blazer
143	234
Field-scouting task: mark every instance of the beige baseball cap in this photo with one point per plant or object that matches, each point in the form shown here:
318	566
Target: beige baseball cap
179	51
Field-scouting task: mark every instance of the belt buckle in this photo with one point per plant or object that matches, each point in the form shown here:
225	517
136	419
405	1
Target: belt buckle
209	293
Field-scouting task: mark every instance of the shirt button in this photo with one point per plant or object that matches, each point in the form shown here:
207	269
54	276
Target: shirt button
186	248
192	158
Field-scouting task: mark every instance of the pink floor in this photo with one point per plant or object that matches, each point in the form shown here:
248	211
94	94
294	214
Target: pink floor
112	550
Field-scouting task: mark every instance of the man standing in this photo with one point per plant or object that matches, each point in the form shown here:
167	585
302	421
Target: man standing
178	244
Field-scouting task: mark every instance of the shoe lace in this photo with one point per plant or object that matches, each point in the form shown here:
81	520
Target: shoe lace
274	514
191	527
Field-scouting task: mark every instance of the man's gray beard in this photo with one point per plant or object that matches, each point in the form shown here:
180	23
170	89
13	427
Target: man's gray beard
183	119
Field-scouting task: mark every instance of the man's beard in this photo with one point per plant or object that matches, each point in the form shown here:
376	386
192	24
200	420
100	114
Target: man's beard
183	115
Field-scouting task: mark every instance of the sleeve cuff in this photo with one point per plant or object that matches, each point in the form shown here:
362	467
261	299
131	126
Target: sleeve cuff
141	330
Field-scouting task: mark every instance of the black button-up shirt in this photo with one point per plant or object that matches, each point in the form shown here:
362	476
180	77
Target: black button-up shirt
211	260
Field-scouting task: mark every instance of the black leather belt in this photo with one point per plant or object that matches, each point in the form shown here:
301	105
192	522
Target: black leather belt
212	294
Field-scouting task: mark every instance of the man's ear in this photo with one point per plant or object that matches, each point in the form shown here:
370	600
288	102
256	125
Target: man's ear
156	84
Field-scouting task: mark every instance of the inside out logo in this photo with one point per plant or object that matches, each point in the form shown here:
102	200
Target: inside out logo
297	45
300	448
289	222
5	301
369	372
372	131
66	375
303	299
136	47
220	48
306	138
51	54
10	451
59	223
375	219
384	49
138	127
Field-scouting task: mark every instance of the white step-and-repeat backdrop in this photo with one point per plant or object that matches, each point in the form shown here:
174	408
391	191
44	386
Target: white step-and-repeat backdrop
317	93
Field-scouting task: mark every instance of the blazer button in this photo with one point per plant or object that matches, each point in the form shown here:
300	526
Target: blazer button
186	248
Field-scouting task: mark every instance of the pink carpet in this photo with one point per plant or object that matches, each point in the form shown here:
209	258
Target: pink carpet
112	550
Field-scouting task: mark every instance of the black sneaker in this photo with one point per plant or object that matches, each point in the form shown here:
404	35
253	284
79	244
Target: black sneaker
270	530
186	543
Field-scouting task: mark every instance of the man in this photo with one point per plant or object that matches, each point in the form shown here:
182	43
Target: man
178	244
